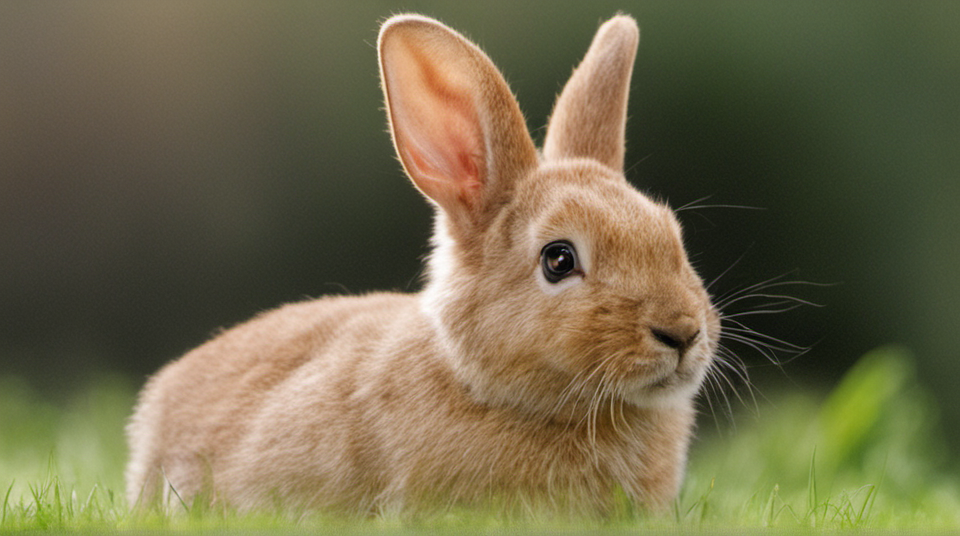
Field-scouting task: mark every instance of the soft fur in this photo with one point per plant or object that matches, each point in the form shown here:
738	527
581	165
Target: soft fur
491	386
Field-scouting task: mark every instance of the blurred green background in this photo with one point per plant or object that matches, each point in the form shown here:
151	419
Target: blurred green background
169	168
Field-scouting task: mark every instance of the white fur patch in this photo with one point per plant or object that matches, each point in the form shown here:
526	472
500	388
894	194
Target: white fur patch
556	288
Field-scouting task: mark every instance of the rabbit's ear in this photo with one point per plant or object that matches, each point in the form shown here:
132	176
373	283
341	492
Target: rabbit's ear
589	119
456	126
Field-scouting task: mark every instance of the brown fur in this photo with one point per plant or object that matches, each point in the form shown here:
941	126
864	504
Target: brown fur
492	386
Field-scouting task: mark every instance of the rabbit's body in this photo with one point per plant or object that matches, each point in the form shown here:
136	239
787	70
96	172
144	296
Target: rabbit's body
391	428
551	360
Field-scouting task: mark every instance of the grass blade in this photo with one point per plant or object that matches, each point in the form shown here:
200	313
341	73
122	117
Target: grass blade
6	502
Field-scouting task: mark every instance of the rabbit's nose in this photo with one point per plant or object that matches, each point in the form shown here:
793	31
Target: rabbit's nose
678	335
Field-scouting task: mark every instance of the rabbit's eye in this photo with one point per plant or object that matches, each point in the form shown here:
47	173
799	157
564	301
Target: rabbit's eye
559	260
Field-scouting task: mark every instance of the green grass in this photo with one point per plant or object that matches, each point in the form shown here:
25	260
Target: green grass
865	456
869	455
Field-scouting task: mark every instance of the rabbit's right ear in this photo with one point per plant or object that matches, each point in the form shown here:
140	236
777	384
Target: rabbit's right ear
456	126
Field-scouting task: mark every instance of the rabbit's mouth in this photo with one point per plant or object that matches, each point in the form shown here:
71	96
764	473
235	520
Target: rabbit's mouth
675	379
666	383
661	382
647	373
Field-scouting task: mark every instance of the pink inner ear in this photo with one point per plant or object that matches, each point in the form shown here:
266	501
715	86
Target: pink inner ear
439	133
448	169
473	185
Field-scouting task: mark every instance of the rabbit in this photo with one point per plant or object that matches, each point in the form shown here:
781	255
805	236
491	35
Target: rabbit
551	360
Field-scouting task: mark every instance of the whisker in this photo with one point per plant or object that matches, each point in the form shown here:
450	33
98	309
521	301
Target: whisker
634	165
728	373
584	383
761	348
723	273
729	361
722	382
762	285
720	378
783	297
714	389
566	393
594	415
691	206
692	203
613	418
593	408
773	342
723	300
734	365
795	356
773	282
623	415
765	311
713	376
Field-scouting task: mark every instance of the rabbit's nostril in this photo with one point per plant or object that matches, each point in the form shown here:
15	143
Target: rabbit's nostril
678	338
666	339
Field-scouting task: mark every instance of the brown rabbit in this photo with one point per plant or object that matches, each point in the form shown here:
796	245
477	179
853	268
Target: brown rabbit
551	360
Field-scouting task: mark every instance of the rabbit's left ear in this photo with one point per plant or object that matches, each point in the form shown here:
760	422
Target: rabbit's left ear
456	126
589	119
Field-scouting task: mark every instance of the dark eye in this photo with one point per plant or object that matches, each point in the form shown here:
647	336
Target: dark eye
558	260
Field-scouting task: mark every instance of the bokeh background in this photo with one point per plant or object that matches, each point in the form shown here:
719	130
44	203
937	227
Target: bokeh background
170	168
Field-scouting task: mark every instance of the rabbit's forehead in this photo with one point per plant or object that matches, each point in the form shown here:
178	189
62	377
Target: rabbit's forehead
602	209
619	225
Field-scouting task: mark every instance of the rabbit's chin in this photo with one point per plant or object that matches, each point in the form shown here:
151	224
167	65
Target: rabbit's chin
664	390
